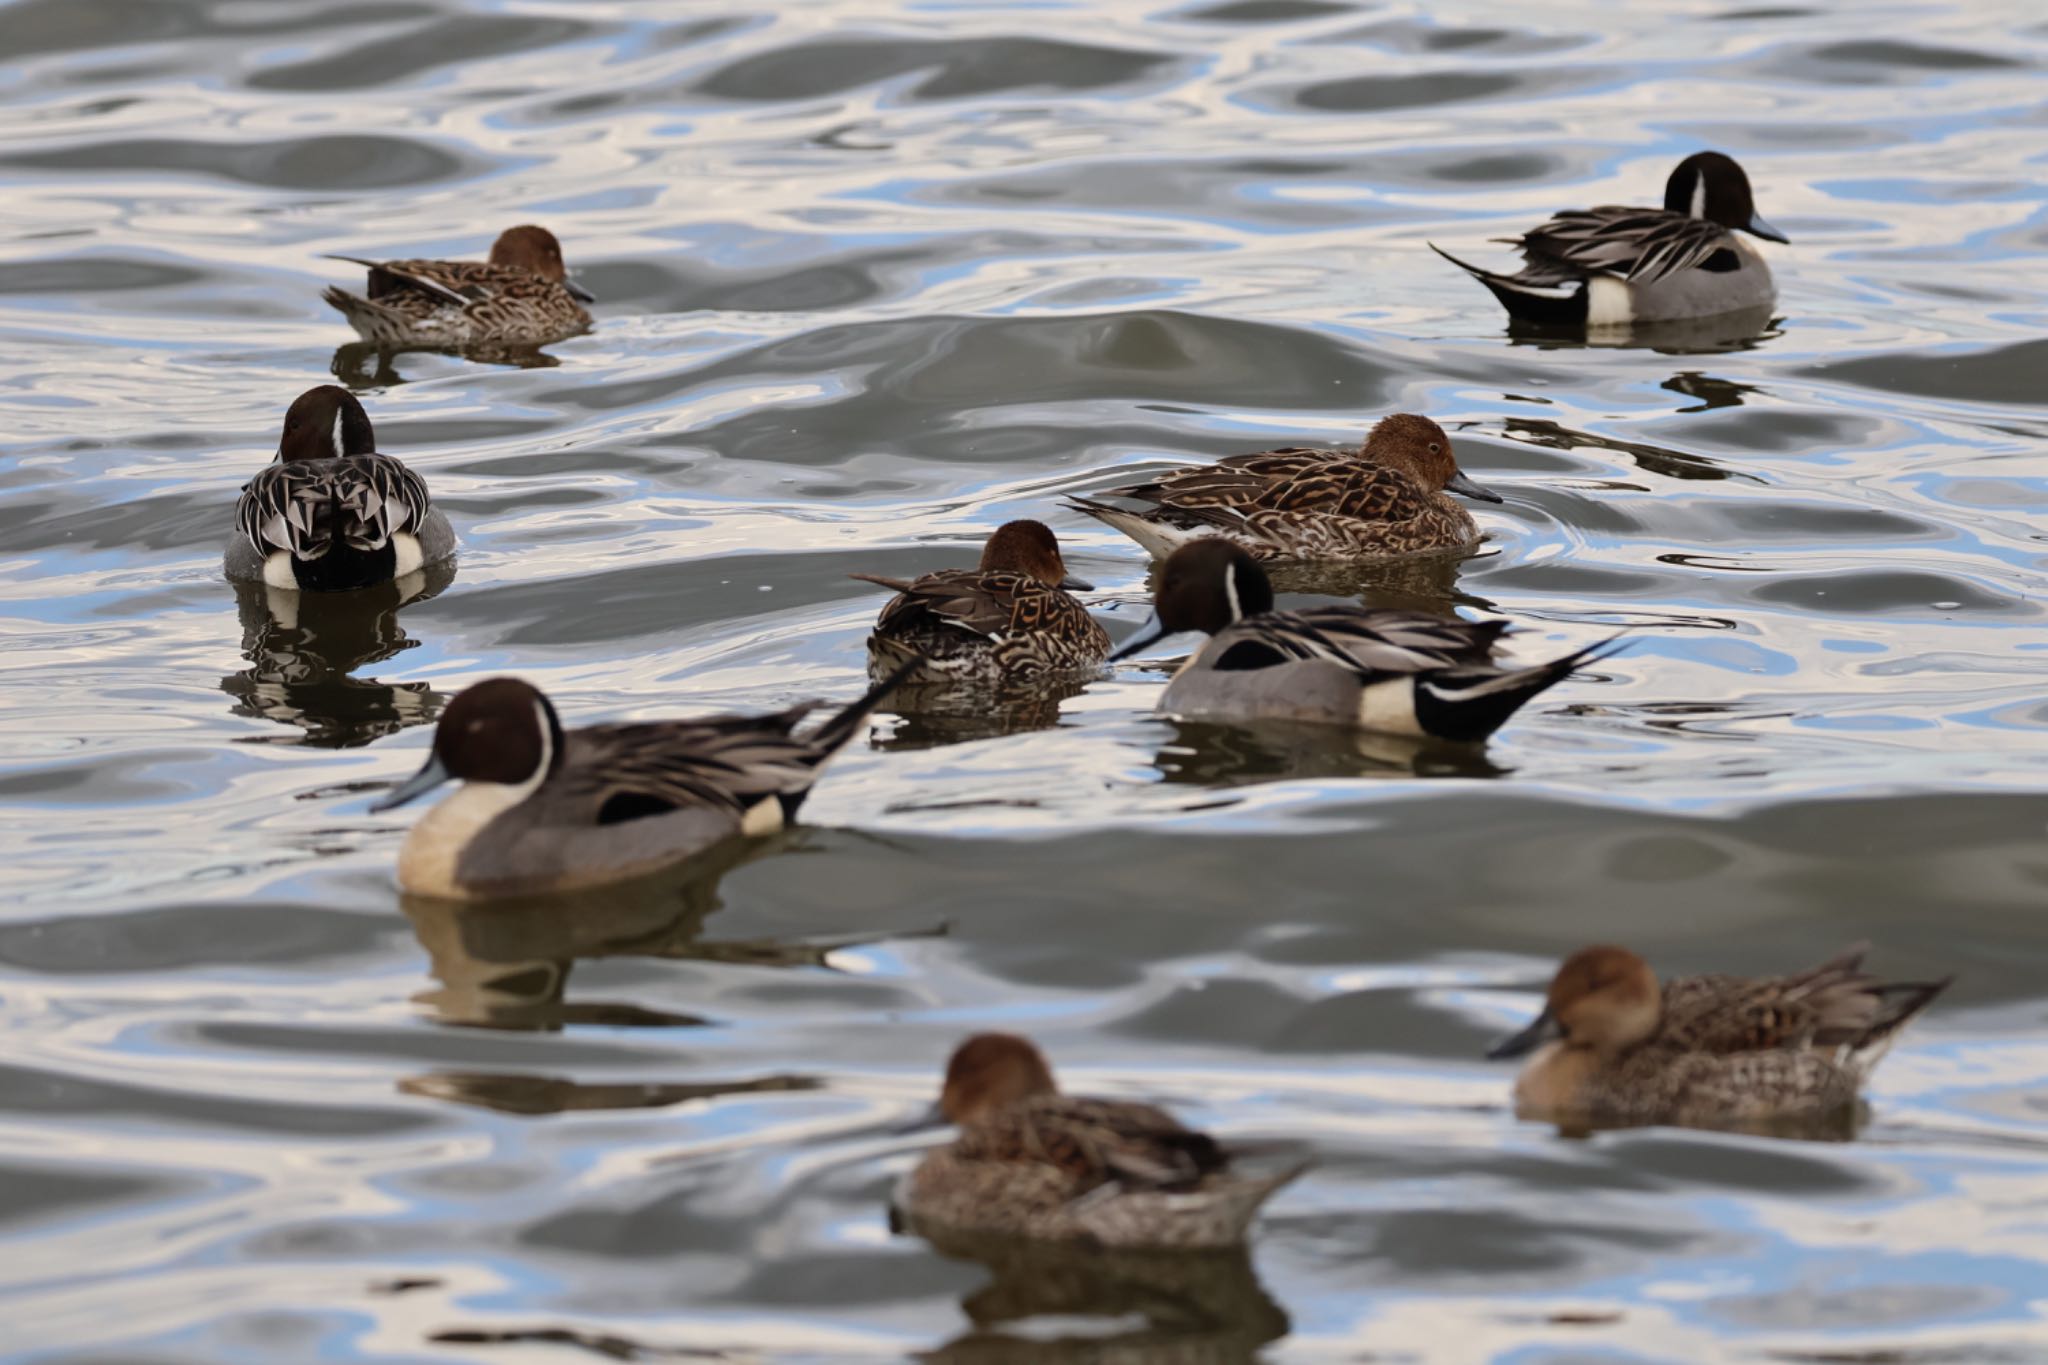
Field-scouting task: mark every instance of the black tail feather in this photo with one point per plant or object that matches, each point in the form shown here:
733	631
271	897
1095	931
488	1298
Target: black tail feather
840	728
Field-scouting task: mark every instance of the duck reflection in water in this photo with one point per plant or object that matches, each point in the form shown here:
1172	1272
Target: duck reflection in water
303	649
1743	329
1179	1307
1209	754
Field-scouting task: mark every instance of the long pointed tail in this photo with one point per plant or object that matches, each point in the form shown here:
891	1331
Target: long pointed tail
1470	704
840	728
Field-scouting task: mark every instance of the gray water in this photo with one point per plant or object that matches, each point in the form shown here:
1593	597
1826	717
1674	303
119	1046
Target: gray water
873	281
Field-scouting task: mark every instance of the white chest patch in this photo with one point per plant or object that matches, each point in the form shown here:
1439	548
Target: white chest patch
1607	302
427	859
406	546
1389	707
277	570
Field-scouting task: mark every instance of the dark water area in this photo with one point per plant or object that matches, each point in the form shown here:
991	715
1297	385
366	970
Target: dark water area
872	281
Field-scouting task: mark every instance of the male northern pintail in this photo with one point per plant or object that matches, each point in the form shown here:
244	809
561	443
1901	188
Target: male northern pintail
1009	619
1618	265
543	809
1613	1047
1031	1162
1303	503
522	297
1398	672
330	513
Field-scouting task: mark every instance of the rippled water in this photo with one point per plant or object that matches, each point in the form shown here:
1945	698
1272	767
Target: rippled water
872	282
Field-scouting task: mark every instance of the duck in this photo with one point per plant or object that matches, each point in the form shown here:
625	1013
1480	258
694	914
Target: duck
1404	673
545	810
1304	503
1030	1162
1614	1047
522	297
1010	619
330	514
1617	266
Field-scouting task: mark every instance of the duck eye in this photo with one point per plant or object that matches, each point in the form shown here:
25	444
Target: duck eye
1435	449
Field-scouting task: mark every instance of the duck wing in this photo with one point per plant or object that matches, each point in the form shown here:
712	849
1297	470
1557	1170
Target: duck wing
1834	1008
306	507
457	282
1641	245
1369	642
1094	1142
996	603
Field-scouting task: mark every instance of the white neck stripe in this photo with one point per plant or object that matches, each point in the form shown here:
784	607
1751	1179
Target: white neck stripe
1699	195
339	450
1230	591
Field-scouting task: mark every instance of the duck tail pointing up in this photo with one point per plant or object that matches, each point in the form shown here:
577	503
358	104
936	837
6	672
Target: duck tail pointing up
840	728
1467	704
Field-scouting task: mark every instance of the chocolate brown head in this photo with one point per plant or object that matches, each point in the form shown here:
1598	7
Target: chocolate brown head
1416	446
325	424
1031	549
501	730
1603	998
1710	185
991	1071
532	249
1205	585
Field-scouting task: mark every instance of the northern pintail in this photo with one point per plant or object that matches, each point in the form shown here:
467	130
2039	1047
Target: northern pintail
1618	265
542	809
1614	1047
522	297
330	514
1010	619
1384	499
1031	1162
1398	672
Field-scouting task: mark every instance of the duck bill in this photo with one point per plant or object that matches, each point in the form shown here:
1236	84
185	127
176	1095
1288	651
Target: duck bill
1076	583
582	295
1464	487
1757	227
1149	634
1542	1029
413	788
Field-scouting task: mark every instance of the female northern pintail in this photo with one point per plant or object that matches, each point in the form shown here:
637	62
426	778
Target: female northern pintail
522	297
1009	619
1303	503
543	809
1616	1048
1031	1162
330	513
1399	672
1616	265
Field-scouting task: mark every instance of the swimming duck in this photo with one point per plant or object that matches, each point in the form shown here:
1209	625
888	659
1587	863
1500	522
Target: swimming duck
1616	265
1031	1162
1613	1047
543	809
1397	672
522	297
1384	499
330	514
1009	619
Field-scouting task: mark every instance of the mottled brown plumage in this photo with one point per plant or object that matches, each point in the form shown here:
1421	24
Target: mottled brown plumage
1305	503
1618	1048
1031	1162
1008	620
522	297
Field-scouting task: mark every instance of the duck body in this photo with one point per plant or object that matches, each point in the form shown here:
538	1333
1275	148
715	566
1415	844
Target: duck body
522	296
331	514
1618	266
1307	503
1011	619
1030	1162
1395	672
542	809
1615	1047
